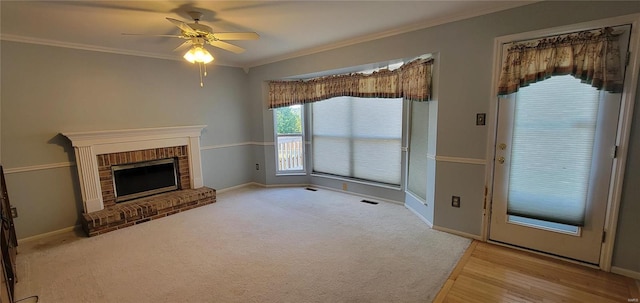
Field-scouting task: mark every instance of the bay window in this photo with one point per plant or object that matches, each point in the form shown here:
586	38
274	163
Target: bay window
358	138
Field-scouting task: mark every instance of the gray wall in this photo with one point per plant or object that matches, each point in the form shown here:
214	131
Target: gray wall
464	86
627	249
48	90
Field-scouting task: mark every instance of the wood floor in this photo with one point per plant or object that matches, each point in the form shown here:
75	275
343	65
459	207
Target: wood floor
492	273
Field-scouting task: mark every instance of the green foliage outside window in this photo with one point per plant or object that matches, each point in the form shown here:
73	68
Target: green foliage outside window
289	120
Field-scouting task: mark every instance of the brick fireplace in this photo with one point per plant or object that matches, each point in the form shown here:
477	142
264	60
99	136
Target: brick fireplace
106	161
96	153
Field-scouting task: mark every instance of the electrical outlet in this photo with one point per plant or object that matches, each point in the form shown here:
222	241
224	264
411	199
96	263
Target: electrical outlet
344	186
14	212
455	201
257	166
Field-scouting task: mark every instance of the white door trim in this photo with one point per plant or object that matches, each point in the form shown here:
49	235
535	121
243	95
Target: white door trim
624	127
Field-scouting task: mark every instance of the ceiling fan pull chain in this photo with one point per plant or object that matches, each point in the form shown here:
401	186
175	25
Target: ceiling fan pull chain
205	70
200	66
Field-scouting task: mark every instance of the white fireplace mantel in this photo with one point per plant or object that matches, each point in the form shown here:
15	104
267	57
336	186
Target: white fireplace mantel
88	145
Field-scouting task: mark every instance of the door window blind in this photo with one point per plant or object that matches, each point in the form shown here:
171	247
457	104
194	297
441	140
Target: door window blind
553	137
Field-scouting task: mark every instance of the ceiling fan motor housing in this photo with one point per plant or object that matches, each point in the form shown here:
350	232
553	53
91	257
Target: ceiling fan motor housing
201	28
196	16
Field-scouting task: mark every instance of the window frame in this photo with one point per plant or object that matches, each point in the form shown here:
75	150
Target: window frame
290	172
380	184
411	153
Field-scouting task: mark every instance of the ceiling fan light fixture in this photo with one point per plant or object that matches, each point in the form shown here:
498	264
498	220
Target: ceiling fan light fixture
198	54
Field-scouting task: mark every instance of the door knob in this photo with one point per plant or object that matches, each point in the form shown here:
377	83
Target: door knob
501	160
502	146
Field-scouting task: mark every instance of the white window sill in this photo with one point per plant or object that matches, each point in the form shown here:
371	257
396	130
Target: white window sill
369	183
284	174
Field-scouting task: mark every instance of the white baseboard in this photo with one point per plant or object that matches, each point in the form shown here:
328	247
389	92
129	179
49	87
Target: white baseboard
49	234
626	273
357	194
284	185
420	216
306	185
459	233
226	189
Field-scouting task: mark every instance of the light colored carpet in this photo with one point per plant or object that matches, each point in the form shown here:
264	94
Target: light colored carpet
253	245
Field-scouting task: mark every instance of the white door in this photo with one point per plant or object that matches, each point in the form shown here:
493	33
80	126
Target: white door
555	147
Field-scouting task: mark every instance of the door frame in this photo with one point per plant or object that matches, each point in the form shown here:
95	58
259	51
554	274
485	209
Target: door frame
624	123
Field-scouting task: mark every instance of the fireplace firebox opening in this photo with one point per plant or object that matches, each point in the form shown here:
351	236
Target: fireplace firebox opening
141	179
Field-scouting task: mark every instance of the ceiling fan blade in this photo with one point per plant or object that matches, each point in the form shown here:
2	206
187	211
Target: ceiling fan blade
237	36
183	26
227	46
170	36
182	46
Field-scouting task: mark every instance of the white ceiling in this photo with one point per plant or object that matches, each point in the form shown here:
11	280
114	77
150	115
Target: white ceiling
286	28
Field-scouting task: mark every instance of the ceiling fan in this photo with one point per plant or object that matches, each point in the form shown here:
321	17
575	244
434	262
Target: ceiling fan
197	35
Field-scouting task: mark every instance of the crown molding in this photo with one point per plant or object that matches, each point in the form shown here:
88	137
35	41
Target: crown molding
47	42
93	48
383	34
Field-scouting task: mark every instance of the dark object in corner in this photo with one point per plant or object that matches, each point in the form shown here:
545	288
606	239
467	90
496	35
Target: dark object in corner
369	202
8	244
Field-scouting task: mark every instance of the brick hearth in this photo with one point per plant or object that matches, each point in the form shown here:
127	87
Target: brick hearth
142	210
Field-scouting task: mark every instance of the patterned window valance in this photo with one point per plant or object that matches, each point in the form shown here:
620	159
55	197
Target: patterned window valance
411	81
591	56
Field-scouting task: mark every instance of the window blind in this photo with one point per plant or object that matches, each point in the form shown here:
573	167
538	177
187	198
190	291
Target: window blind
552	149
417	176
358	138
